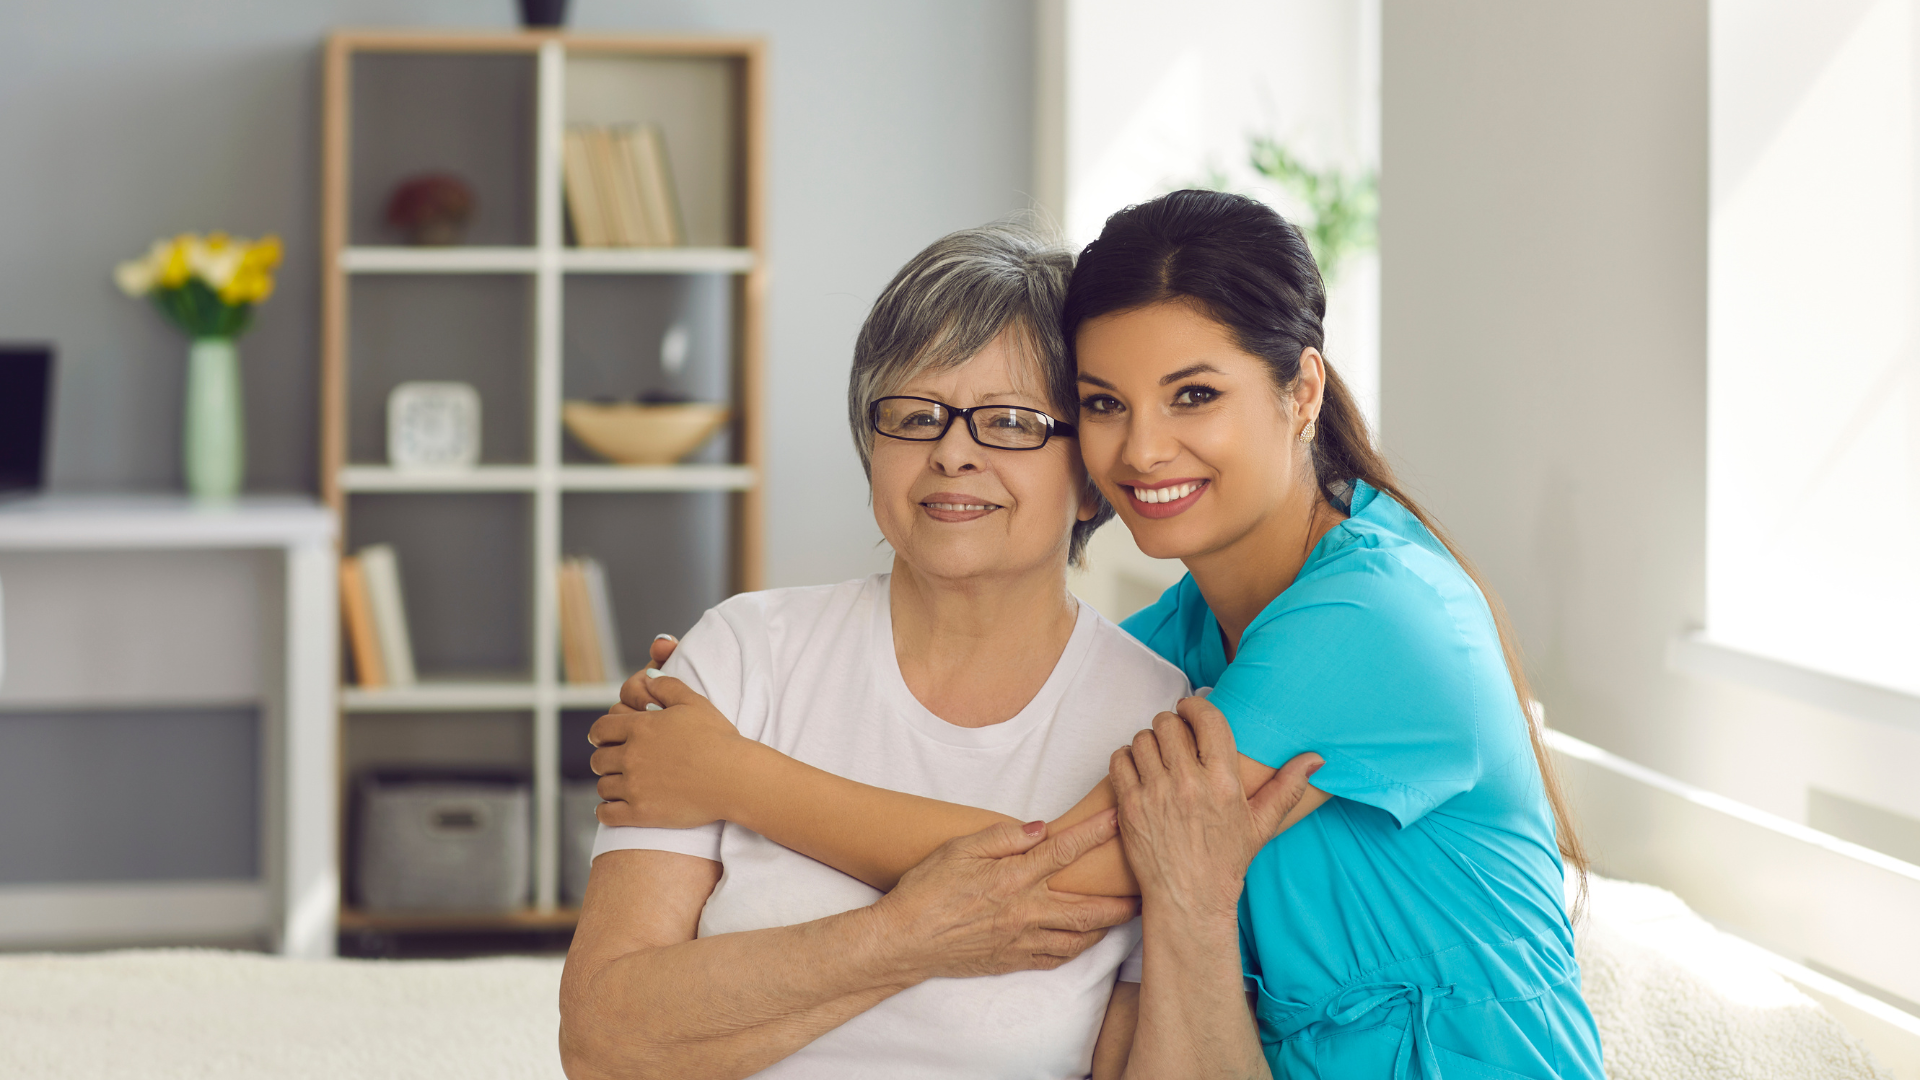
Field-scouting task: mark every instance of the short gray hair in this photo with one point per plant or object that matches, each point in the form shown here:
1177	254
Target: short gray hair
948	303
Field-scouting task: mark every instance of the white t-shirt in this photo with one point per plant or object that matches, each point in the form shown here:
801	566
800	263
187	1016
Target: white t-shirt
812	673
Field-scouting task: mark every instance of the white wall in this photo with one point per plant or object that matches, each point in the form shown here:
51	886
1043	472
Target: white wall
891	123
1544	342
1134	102
1813	521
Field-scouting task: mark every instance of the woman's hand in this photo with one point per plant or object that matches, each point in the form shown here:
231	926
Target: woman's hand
980	905
633	692
665	765
1188	826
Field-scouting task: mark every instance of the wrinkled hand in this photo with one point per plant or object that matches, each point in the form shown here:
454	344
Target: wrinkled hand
664	766
980	905
1188	827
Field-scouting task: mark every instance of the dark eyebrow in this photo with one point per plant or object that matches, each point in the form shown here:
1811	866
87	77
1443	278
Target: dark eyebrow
1095	380
1188	372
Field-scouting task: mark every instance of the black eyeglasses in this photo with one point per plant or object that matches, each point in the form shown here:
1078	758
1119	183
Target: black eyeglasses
1002	427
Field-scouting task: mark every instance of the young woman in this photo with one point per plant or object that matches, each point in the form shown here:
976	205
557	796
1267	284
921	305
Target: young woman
1414	920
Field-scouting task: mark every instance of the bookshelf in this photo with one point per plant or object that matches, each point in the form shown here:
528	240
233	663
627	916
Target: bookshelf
530	319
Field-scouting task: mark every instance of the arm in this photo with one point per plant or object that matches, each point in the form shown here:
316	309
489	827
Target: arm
685	765
1190	833
642	996
1115	1044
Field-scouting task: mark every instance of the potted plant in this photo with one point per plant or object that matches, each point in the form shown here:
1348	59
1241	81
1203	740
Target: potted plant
207	286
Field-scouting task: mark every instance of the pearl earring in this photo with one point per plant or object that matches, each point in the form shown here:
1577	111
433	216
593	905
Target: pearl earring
1306	433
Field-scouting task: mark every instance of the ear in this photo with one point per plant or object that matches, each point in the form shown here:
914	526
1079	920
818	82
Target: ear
1310	388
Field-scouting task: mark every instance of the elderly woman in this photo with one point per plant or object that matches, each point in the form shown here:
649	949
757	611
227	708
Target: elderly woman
969	674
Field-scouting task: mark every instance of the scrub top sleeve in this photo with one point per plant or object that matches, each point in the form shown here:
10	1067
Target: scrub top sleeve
1367	668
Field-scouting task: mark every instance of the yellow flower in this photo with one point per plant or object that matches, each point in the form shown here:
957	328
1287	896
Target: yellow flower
174	268
266	253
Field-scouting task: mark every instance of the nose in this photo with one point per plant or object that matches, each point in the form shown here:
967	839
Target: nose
956	452
1148	442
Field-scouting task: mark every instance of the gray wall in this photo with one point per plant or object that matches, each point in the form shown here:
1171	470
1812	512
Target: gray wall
1543	338
891	123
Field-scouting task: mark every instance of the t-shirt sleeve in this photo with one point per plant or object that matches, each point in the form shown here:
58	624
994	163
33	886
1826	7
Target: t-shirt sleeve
1368	668
709	662
1135	962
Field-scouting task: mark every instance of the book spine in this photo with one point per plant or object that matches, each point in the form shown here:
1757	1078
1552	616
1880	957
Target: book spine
633	205
579	650
583	194
604	626
606	171
363	644
380	568
656	184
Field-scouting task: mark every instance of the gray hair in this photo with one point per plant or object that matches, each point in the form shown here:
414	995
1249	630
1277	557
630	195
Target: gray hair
948	303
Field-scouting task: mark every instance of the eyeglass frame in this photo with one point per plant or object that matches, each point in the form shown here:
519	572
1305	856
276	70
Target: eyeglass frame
954	412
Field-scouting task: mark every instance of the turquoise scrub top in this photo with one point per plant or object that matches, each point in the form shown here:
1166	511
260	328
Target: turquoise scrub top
1413	925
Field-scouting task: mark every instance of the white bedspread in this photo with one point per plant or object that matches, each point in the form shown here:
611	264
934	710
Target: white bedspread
1675	1000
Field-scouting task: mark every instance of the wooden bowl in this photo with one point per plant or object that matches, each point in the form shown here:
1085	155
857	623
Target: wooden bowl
631	434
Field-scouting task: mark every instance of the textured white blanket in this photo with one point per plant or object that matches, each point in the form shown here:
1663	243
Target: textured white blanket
1675	1000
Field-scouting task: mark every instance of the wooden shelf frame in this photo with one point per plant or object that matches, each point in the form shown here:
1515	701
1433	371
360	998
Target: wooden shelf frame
547	262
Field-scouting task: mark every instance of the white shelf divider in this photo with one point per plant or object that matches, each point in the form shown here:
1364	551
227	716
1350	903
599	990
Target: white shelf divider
527	260
440	260
435	696
380	478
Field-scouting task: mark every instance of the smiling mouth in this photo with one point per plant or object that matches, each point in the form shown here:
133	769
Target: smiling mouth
959	507
1166	500
1167	494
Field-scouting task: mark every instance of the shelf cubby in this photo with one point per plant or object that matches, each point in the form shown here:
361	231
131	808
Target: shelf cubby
532	320
465	578
470	114
476	329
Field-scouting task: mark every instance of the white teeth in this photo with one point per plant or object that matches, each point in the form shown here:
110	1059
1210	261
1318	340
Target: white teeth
958	506
1166	494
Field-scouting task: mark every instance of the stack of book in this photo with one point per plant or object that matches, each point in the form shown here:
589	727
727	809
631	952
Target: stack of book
376	618
619	188
589	638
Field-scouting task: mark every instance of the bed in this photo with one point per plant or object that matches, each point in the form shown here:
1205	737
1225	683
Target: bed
1674	996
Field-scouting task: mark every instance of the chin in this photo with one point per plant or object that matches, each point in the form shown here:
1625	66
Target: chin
1175	538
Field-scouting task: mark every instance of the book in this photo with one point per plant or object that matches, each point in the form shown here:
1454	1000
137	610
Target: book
579	652
584	201
380	569
619	197
606	631
357	617
649	149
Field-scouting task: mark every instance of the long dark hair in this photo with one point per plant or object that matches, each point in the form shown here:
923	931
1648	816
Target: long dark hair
1252	272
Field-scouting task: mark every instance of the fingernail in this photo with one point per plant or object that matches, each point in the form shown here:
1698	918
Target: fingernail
654	707
1112	816
1034	828
654	673
1315	767
665	637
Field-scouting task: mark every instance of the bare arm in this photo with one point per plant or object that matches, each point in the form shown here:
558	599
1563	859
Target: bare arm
641	996
1191	832
686	766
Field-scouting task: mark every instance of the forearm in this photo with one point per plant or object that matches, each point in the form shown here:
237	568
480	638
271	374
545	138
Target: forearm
1193	1018
729	1005
876	834
871	833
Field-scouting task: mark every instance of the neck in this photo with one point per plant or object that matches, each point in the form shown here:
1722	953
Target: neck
1241	579
974	651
